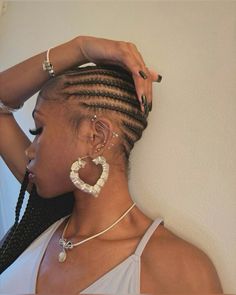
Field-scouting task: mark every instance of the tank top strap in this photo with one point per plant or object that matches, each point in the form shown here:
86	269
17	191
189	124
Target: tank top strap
142	244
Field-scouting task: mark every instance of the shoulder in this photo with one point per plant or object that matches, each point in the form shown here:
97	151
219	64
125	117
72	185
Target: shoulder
178	264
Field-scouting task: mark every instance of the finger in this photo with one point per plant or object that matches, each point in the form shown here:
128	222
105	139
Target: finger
141	88
155	76
134	66
137	54
148	84
148	77
144	72
131	59
146	90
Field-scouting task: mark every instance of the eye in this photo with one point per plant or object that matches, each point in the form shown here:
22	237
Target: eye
36	131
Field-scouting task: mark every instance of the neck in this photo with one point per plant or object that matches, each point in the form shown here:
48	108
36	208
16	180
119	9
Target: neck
91	215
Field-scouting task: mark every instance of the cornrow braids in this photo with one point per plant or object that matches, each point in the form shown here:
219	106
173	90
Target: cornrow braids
103	89
106	70
105	82
106	94
38	216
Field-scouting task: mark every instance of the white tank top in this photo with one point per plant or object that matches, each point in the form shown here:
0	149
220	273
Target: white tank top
20	277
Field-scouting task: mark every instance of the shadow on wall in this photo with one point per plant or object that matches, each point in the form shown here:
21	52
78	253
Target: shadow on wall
3	7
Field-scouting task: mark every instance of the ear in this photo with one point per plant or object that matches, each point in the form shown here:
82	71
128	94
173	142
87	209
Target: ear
101	135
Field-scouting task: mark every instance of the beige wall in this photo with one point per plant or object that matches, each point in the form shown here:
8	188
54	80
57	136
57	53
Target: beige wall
185	167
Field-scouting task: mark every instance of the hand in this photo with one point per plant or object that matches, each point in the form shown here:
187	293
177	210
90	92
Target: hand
125	54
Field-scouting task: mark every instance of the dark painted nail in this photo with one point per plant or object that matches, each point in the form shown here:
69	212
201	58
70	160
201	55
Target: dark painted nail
145	105
144	99
143	75
159	78
146	110
150	106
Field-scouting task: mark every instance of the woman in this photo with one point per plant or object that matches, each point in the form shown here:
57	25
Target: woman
95	239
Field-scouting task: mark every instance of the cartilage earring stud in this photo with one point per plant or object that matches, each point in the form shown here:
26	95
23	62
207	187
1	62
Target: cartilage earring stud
94	118
114	134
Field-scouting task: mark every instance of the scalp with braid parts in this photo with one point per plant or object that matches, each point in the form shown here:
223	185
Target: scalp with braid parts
101	90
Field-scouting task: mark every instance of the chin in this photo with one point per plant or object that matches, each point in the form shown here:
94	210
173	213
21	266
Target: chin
44	193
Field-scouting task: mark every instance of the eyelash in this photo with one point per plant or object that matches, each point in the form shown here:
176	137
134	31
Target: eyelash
36	131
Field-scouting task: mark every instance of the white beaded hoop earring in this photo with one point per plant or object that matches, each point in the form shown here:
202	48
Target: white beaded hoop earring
85	187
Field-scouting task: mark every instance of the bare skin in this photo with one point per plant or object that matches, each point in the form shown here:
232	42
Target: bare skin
168	265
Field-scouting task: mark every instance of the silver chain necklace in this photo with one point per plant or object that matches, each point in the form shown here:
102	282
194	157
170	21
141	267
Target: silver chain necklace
68	245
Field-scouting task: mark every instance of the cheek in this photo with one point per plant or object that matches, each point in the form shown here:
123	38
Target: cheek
52	181
53	160
52	167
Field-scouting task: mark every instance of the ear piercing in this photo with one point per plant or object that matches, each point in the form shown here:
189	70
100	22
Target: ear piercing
94	118
114	135
101	146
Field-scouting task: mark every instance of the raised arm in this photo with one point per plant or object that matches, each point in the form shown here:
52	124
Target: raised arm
21	81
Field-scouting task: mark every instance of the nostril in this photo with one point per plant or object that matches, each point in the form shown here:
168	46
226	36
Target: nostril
29	154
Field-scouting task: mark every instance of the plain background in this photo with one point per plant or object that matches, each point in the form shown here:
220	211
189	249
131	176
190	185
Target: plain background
184	168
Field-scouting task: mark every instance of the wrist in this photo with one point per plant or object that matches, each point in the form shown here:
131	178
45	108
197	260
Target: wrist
6	109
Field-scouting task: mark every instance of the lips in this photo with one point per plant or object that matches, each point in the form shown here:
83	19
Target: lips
31	175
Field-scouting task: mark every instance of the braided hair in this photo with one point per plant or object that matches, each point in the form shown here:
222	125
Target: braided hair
102	90
39	214
107	90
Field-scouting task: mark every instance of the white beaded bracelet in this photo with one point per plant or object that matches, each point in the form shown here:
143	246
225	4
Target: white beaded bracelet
4	109
47	66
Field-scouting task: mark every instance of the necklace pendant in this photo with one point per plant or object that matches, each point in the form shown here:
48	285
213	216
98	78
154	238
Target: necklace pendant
62	256
68	245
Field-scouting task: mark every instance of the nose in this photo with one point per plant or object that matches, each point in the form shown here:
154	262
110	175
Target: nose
30	153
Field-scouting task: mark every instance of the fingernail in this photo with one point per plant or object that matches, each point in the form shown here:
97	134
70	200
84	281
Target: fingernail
144	103
143	75
150	106
144	99
159	78
146	110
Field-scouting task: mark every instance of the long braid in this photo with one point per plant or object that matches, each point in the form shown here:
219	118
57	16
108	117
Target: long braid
38	216
93	90
17	215
21	197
